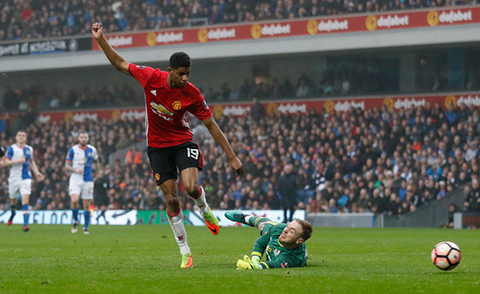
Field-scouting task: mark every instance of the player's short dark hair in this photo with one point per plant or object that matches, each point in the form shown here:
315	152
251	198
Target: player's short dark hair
180	59
306	229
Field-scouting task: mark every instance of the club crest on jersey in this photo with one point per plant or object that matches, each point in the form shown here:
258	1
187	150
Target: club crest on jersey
276	252
177	105
27	152
157	176
160	109
89	154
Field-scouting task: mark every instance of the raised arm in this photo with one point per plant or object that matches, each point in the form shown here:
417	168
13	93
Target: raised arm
218	135
115	59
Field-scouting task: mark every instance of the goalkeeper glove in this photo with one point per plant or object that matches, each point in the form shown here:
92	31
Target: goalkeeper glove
244	265
254	259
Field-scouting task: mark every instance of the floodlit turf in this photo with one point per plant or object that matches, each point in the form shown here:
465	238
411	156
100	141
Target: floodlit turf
145	259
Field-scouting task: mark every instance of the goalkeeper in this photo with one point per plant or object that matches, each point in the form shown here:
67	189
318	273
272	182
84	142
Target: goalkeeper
283	244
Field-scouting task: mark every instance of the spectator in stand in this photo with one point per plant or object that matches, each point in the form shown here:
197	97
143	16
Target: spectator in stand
258	111
133	156
451	210
287	189
472	197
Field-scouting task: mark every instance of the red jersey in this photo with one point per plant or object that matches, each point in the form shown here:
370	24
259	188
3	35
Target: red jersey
166	108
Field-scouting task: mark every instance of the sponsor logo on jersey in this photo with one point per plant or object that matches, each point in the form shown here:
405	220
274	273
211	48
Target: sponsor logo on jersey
157	176
160	109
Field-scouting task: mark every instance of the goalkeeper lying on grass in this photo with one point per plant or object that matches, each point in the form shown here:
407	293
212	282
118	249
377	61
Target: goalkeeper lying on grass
283	244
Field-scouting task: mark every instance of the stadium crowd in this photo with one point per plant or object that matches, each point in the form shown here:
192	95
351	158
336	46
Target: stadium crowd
36	19
375	160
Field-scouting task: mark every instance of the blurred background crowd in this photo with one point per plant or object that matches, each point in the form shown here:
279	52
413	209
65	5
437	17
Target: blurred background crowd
376	160
32	19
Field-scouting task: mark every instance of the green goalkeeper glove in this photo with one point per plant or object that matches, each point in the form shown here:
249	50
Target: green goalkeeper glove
254	259
247	264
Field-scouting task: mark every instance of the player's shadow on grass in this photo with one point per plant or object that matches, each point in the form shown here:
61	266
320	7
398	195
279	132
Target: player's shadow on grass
455	273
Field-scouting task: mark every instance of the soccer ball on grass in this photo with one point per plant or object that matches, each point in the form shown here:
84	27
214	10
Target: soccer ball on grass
446	255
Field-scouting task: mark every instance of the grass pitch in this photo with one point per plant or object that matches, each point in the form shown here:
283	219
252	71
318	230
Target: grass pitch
146	259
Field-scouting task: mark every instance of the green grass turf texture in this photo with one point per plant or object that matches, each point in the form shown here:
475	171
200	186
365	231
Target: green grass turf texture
146	259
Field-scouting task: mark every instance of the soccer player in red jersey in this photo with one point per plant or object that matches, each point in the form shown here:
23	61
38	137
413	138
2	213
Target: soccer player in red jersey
168	97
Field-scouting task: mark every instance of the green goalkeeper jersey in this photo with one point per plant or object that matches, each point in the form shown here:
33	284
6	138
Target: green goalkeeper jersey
278	256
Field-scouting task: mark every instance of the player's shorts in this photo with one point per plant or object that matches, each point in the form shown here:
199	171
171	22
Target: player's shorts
267	226
166	162
82	188
20	187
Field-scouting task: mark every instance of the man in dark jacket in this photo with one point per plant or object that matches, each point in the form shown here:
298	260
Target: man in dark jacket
287	189
100	188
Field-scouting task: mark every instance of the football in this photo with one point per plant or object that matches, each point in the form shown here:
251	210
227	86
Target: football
446	255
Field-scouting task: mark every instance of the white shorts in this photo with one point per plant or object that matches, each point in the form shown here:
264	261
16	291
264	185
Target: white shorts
84	189
19	187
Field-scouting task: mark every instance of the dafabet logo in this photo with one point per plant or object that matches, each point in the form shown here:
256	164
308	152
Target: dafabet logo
450	16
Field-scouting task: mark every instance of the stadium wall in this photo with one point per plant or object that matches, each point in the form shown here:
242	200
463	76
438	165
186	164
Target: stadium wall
349	220
433	215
